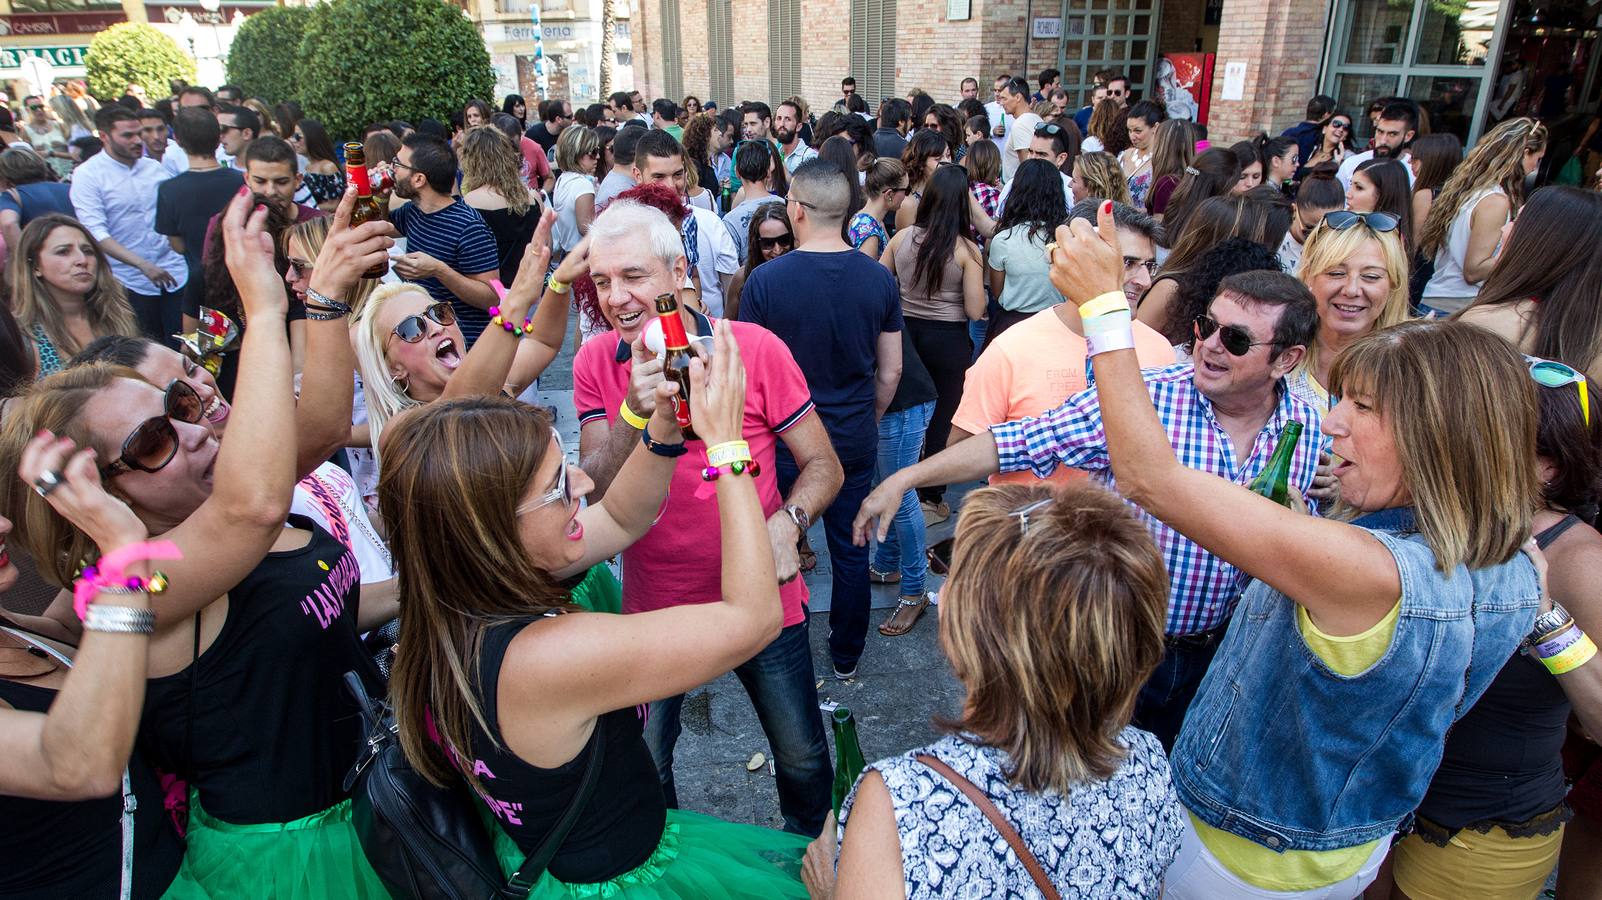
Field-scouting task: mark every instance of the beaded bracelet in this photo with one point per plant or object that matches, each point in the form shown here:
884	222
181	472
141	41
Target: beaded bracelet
106	576
738	467
516	330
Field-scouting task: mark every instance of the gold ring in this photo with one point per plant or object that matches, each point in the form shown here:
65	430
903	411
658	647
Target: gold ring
1051	248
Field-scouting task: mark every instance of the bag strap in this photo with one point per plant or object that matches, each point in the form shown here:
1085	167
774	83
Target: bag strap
1008	833
534	866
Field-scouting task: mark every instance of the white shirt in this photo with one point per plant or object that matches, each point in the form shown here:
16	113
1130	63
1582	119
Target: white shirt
1357	159
343	501
176	161
117	201
716	255
998	116
1067	195
799	155
1289	253
569	188
1019	136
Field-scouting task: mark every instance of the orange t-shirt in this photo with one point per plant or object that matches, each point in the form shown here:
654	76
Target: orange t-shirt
1032	368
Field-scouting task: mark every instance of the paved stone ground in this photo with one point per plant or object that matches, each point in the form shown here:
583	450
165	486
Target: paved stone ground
900	685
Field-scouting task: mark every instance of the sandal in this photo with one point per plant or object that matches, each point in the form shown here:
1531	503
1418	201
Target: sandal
877	577
809	557
908	610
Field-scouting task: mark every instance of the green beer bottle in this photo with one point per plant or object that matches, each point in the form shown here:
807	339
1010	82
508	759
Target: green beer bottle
1274	481
848	762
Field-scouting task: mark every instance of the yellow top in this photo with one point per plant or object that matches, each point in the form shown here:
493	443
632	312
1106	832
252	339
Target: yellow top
1305	870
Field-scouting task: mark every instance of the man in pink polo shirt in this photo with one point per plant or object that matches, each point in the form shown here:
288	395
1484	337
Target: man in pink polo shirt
635	254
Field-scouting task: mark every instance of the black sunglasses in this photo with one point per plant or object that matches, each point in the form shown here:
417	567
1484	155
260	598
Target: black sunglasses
35	108
1342	219
153	444
1340	124
412	328
786	241
1237	341
1047	129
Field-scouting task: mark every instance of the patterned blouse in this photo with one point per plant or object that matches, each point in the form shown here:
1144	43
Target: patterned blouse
49	358
325	187
864	226
1112	838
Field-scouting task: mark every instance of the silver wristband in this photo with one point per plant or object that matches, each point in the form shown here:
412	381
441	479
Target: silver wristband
119	619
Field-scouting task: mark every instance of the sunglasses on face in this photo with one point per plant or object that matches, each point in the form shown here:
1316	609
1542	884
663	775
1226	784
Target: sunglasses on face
1342	219
153	444
558	493
1236	340
35	109
786	241
413	328
1548	373
301	266
1341	125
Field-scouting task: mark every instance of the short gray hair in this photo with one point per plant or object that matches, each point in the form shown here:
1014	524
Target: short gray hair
1124	216
630	222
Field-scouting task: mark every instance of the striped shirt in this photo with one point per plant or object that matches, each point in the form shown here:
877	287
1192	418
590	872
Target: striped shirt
457	237
1202	588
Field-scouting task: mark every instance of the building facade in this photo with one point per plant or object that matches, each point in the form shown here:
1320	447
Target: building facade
564	35
1468	63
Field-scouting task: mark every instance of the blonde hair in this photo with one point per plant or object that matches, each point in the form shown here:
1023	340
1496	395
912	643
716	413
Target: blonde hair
576	142
312	233
489	158
105	306
1461	407
1103	177
385	397
1053	629
269	123
1496	161
1326	248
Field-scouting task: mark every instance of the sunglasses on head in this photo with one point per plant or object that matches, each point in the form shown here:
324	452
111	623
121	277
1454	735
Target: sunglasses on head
1047	129
1236	340
1342	219
1550	374
558	493
785	240
413	329
153	444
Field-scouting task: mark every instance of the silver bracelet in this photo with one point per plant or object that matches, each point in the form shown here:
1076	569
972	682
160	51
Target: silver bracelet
119	620
322	299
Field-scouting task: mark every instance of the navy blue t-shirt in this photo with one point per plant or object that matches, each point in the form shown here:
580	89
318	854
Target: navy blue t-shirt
30	201
829	309
457	237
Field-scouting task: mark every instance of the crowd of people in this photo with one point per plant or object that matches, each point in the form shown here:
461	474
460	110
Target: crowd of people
1280	586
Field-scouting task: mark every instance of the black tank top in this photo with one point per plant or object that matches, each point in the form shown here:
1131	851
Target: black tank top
1502	760
52	848
620	826
274	730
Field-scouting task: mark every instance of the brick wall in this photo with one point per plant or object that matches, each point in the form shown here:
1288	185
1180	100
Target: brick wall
750	29
1006	32
1280	43
1182	25
646	37
693	49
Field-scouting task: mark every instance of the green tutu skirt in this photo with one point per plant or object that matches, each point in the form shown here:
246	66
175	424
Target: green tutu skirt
599	591
313	858
698	858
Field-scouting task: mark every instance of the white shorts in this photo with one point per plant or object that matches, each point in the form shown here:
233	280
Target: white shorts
1196	874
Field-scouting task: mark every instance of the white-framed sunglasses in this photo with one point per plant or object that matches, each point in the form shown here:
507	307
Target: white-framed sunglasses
555	494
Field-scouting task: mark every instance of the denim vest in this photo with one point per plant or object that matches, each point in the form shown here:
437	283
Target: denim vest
1281	750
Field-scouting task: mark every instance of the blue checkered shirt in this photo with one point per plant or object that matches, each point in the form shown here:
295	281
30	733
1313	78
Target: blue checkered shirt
1202	588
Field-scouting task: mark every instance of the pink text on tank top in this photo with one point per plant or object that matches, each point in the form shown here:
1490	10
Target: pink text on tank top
505	811
327	602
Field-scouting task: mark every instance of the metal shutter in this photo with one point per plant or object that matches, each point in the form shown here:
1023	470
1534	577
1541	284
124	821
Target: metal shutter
873	50
784	49
672	55
720	51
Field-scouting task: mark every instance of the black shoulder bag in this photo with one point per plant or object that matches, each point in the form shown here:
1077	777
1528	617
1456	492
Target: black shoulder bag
429	843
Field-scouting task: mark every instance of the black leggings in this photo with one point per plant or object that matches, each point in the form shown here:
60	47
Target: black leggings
946	351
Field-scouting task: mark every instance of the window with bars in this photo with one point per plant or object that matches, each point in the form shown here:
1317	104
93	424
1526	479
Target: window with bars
1118	35
720	51
672	53
873	49
784	49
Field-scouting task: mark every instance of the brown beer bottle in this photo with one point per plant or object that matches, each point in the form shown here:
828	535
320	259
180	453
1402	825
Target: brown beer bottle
676	368
367	208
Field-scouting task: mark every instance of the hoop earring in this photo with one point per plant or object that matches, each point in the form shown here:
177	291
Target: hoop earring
404	383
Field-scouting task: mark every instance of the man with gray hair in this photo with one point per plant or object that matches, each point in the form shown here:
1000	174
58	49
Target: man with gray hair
635	256
840	313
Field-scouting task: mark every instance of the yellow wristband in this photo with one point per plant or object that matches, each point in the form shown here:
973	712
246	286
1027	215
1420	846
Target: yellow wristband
629	416
1578	654
558	287
725	453
1112	301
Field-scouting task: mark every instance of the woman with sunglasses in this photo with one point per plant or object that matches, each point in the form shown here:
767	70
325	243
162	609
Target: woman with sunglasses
259	622
1334	142
1323	716
1464	230
324	176
885	188
68	716
578	152
1542	292
1492	822
926	150
489	541
63	292
769	236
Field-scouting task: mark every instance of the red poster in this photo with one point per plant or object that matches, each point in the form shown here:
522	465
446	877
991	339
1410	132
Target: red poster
1185	84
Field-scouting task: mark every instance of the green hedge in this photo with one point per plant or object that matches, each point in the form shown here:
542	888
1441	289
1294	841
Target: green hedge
264	57
364	61
132	53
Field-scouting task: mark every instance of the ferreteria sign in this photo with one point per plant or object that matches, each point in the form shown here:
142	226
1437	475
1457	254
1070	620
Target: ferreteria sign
60	57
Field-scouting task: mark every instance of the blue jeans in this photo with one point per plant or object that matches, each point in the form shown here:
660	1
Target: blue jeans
1165	697
780	683
900	441
848	564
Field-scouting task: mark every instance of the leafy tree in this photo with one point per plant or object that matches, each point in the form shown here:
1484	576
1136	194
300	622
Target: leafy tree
135	53
364	61
262	59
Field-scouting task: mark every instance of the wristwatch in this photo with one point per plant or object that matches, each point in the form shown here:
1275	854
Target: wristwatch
798	516
1548	622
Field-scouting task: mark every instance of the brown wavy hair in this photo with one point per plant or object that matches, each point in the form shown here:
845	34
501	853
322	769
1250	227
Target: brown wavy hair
106	305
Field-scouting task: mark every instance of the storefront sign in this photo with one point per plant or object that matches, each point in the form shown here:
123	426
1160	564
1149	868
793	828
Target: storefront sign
1046	27
60	23
172	14
59	57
